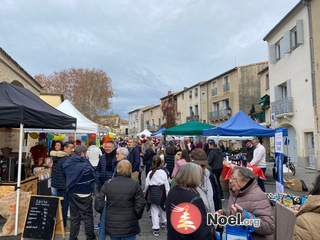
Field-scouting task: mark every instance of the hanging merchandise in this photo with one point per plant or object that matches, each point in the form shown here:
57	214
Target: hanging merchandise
84	138
48	140
111	135
42	136
34	135
56	138
50	136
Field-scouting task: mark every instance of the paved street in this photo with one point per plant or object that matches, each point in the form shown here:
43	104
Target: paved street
307	175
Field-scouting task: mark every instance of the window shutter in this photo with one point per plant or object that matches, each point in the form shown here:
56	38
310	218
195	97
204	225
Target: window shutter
272	53
282	52
299	31
288	82
277	93
286	42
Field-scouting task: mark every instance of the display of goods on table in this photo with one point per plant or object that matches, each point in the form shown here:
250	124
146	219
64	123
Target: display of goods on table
288	200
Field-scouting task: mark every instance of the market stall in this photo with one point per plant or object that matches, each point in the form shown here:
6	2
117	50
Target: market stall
286	208
21	108
188	129
240	125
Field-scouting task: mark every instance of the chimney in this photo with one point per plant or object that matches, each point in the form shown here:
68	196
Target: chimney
169	93
185	88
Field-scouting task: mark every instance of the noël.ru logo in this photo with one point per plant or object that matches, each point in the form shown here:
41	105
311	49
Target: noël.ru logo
232	220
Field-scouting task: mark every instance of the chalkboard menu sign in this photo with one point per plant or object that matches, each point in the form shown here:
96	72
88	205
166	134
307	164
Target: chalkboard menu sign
41	217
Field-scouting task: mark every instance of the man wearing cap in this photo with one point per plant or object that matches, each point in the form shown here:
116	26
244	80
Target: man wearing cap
80	178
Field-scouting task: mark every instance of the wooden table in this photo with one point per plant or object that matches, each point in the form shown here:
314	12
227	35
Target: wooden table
29	185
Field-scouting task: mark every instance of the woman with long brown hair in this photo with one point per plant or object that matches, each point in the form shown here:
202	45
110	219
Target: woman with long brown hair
157	188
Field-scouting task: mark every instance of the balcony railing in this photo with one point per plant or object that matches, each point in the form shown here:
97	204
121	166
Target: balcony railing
282	107
221	114
214	91
194	118
226	87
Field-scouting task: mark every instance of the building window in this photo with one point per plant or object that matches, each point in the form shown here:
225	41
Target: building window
215	107
214	88
190	94
226	84
196	92
293	38
191	112
278	51
284	91
226	104
267	81
196	110
182	96
203	96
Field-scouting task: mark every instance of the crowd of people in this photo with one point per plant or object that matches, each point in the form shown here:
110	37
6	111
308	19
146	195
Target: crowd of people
175	172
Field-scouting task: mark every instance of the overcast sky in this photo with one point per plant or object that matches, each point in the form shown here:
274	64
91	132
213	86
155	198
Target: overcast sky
147	47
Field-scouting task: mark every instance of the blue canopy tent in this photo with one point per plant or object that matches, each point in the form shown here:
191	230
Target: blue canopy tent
240	125
158	132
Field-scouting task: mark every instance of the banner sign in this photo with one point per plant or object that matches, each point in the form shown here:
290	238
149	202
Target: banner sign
278	145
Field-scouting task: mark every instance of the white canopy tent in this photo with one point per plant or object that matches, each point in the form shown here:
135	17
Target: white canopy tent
84	125
145	132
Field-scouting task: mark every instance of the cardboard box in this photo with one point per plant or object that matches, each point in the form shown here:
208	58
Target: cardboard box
293	184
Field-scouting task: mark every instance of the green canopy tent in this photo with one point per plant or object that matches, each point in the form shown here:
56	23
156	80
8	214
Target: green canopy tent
188	129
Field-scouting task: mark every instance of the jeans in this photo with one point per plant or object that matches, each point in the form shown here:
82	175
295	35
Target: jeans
124	238
65	205
81	209
65	202
54	191
148	168
261	182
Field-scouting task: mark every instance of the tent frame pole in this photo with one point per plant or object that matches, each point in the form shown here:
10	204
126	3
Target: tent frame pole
19	180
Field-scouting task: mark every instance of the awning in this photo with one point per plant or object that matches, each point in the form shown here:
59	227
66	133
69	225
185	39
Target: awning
264	99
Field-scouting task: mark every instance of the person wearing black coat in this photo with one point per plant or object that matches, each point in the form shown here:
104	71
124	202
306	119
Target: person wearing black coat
134	157
106	164
58	180
249	150
80	180
169	159
125	203
147	157
216	163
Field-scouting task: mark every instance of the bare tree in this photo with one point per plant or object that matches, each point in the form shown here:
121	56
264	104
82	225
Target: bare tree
90	91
